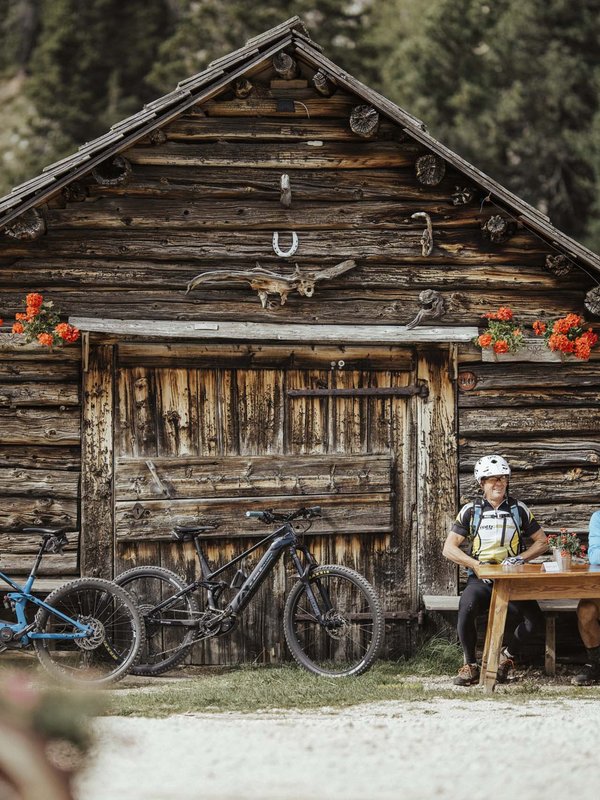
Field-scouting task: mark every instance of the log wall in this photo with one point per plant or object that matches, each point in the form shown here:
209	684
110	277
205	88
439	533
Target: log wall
39	452
206	196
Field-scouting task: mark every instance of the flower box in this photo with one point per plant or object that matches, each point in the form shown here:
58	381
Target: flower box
533	349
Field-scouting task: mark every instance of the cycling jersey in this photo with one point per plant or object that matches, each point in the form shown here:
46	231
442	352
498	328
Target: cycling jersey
498	535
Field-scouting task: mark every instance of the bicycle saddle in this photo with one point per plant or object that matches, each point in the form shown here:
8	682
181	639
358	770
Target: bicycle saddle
184	533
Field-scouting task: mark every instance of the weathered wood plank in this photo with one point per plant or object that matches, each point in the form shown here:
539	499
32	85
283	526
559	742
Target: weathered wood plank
344	185
565	451
18	566
16	543
528	422
177	412
437	471
451	246
41	457
533	376
18	512
339	105
136	421
252	476
266	332
16	348
30	426
97	510
19	370
187	129
548	397
38	482
338	155
138	274
342	515
261	409
38	394
191	355
574	485
307	418
223	215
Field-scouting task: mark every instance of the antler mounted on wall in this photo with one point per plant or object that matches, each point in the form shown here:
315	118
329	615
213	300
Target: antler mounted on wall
266	283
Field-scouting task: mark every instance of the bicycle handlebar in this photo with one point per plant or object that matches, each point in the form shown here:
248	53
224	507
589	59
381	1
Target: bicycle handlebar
268	515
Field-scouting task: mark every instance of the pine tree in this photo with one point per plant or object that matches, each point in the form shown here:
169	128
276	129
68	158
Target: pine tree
512	86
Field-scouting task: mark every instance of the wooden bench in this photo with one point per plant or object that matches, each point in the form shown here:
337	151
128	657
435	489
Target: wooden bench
550	608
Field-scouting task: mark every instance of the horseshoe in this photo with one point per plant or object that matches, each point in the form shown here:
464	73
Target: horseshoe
285	253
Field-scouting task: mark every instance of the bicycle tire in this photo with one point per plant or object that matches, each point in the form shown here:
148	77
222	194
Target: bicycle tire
113	648
164	648
350	639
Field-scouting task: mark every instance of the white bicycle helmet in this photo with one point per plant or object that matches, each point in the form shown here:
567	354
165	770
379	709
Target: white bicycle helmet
490	465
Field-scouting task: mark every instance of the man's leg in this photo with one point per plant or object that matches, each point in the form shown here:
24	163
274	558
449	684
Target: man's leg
588	622
475	600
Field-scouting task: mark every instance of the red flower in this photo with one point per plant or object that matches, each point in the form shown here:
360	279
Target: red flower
504	314
69	333
485	340
17	327
34	300
46	339
539	328
501	346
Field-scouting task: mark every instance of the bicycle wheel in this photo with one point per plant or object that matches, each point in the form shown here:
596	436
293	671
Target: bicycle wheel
346	636
117	635
166	644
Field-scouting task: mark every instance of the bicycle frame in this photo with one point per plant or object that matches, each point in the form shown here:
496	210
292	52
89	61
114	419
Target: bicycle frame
282	538
21	596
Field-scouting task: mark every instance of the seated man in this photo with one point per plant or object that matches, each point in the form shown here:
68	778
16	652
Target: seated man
588	615
495	526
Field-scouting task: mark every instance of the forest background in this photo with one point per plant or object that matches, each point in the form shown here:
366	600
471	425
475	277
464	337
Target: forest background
511	85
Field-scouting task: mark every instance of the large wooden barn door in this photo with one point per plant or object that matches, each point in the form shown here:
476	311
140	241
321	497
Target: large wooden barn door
211	442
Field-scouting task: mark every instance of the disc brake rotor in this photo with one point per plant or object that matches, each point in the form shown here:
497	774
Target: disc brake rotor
95	638
336	625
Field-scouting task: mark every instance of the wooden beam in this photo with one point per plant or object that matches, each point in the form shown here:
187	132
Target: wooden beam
437	470
258	331
97	508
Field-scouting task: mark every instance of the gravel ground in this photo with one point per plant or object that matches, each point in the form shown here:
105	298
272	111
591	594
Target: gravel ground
435	750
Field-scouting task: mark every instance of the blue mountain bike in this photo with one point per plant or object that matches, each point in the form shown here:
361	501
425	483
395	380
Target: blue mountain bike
88	631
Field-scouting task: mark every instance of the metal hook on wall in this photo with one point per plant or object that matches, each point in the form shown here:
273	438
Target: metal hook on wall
285	253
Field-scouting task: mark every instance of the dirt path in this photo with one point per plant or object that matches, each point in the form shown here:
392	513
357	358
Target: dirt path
438	750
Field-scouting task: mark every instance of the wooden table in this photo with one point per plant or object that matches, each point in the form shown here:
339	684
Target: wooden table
527	582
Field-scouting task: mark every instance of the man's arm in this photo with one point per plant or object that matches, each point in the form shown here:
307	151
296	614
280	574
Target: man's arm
594	540
538	547
453	552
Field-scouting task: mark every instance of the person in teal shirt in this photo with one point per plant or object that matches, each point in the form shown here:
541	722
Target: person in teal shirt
588	615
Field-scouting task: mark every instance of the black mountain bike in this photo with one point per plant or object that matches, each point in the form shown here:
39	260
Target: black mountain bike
333	622
87	631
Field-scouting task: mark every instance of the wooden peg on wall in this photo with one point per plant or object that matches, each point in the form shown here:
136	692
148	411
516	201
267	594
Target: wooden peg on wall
559	265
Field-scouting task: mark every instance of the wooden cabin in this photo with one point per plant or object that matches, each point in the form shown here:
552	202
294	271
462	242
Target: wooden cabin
278	275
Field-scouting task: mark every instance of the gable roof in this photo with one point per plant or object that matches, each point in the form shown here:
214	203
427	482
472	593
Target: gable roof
289	34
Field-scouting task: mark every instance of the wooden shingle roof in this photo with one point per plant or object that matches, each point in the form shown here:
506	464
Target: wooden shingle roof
291	34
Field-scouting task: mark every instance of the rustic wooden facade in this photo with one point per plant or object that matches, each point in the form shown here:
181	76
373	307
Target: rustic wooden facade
177	404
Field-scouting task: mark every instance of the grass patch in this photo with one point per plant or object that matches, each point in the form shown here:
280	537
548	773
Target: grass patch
252	688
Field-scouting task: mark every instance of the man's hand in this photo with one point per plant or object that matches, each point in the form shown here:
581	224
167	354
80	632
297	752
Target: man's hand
513	561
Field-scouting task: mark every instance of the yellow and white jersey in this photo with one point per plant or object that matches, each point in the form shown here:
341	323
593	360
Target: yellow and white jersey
498	535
